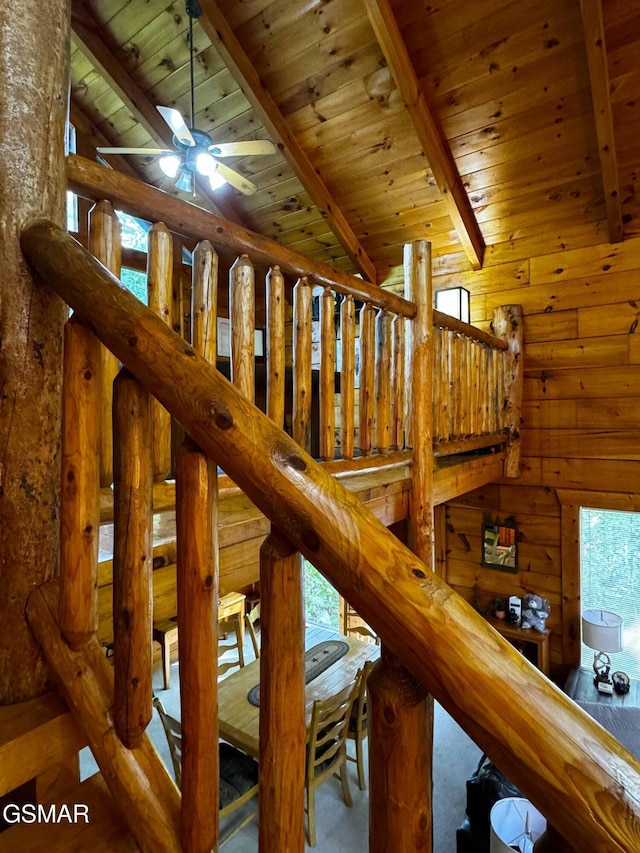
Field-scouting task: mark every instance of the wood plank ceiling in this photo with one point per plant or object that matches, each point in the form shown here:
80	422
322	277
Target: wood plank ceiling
487	127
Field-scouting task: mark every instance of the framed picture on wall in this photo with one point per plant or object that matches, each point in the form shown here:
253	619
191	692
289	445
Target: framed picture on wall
500	546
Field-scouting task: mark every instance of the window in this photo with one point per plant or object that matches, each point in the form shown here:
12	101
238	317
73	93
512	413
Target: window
321	600
610	578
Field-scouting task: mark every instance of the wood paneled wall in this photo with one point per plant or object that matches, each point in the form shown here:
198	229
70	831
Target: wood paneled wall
581	427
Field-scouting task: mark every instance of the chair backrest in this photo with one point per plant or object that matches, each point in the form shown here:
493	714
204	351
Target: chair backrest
358	722
173	731
328	731
250	620
230	651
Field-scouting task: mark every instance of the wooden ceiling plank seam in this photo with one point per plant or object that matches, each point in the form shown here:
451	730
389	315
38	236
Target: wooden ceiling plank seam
224	40
84	126
599	76
435	147
91	44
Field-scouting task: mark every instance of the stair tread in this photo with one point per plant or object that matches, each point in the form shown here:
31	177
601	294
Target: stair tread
105	832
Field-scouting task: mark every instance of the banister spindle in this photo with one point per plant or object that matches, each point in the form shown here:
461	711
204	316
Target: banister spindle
367	377
159	277
104	244
347	376
80	493
205	300
397	382
282	731
327	375
275	345
302	295
382	380
197	590
132	557
242	310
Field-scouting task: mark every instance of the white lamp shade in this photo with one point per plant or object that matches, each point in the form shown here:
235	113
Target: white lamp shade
602	630
453	301
515	823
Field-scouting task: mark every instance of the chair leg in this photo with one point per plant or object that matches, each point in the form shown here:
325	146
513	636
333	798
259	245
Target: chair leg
311	821
166	661
346	793
362	782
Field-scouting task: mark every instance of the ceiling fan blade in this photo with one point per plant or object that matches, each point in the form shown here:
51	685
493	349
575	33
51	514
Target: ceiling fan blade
243	149
236	179
177	124
103	150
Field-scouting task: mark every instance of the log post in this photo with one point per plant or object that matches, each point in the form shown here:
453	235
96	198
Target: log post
159	289
301	417
367	377
197	585
400	737
507	324
417	271
282	699
383	380
275	345
105	245
347	376
80	498
132	558
35	87
397	382
242	310
205	300
327	375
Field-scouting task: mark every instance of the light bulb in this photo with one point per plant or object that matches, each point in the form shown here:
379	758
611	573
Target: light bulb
169	163
205	164
216	180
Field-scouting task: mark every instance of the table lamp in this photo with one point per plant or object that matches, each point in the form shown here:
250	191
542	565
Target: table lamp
602	631
515	824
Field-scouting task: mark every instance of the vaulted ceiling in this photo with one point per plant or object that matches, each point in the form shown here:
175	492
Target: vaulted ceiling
492	128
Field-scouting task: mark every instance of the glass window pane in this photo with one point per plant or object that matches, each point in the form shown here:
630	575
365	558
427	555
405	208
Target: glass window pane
610	578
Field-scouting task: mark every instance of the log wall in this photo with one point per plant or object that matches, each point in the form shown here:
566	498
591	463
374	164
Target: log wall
580	426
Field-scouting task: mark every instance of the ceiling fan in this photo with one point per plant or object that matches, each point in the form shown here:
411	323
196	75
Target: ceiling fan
194	151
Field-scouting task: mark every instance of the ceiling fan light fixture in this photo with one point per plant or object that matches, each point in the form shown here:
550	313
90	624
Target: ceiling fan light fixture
216	180
185	181
170	163
205	164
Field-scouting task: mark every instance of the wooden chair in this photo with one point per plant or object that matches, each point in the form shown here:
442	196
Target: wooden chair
327	747
250	620
359	723
166	633
238	773
231	646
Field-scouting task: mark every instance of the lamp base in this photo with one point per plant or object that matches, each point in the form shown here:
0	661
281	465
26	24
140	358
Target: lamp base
601	667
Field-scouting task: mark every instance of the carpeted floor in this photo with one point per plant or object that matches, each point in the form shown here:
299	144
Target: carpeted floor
340	829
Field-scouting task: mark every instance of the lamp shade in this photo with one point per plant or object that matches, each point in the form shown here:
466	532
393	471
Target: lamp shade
515	825
454	301
602	630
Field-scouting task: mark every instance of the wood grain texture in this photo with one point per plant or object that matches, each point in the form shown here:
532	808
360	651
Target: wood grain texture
242	310
347	377
383	381
301	413
80	495
441	639
275	345
366	378
197	588
205	301
327	375
282	698
508	323
146	796
132	564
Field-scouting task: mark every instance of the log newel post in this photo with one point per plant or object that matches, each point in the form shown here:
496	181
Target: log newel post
400	738
80	496
507	324
275	345
419	349
105	245
282	699
197	592
159	288
132	557
242	311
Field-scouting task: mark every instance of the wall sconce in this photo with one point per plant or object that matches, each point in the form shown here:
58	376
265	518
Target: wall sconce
454	301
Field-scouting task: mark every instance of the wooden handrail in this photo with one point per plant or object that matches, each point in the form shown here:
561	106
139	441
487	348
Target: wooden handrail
96	182
575	772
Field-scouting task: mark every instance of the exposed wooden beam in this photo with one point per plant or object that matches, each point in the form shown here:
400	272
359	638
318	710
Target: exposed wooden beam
94	138
87	37
433	143
223	39
600	94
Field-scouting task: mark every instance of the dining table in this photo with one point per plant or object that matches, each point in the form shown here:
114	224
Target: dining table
239	719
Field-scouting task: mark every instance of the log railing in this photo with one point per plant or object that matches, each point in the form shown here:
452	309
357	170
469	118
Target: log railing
577	774
360	401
